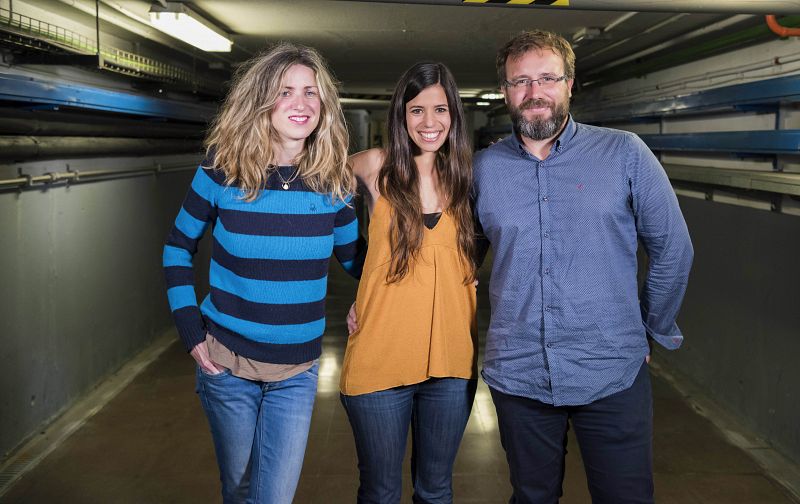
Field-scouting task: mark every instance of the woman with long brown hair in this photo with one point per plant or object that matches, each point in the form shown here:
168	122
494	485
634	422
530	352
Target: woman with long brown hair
412	359
276	188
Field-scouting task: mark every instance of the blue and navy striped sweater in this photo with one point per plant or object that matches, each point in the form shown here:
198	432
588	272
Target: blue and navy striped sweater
269	266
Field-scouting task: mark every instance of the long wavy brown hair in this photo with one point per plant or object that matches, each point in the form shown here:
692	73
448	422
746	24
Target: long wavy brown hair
398	179
242	137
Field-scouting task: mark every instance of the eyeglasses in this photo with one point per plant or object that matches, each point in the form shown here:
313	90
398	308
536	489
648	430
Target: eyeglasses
546	81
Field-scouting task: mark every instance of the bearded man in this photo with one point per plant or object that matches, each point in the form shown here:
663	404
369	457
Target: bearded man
563	206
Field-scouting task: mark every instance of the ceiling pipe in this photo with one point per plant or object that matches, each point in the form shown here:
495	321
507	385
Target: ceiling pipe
26	148
24	122
688	6
721	25
780	30
657	26
726	41
605	29
613	24
51	179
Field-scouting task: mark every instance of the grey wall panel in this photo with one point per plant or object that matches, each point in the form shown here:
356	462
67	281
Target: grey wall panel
81	289
741	317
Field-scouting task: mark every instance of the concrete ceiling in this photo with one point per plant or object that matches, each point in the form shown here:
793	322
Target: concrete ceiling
369	44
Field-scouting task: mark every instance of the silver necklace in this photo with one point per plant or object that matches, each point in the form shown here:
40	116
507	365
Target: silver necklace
285	182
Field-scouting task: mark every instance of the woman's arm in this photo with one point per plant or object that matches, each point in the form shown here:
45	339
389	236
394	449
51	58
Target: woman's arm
366	166
349	246
197	212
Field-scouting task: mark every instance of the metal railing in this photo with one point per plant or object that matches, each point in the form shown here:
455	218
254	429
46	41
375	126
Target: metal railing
111	57
51	32
148	66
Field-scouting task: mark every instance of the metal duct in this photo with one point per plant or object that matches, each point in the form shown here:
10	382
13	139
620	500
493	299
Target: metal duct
24	148
52	179
25	122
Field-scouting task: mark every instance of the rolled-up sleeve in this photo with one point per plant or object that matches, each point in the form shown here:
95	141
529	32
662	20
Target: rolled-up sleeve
662	231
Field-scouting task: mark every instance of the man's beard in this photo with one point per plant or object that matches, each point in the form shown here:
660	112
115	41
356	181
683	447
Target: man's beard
539	128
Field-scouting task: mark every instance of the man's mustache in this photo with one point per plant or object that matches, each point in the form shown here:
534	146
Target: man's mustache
535	103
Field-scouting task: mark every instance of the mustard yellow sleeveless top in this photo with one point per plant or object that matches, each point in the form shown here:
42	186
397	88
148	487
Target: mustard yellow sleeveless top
420	327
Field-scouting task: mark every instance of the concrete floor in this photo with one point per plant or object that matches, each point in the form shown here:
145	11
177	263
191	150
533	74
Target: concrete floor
150	444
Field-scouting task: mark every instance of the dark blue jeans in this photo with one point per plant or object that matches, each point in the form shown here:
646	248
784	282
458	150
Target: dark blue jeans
615	435
437	411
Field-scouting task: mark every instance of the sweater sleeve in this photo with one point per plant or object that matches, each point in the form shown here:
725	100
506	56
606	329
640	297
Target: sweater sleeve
196	213
349	247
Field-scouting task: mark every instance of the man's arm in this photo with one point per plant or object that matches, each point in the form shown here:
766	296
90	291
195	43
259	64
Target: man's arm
663	233
482	244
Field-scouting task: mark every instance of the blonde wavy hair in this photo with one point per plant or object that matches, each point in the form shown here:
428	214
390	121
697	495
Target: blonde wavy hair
241	139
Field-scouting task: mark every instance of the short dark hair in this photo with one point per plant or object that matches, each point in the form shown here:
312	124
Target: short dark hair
537	39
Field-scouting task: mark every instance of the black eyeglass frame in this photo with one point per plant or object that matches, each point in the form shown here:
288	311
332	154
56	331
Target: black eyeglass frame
525	82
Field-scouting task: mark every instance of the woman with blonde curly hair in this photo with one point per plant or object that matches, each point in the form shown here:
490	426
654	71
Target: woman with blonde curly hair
276	189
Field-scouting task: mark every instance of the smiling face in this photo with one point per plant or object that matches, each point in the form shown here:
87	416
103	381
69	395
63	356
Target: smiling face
428	118
539	112
296	112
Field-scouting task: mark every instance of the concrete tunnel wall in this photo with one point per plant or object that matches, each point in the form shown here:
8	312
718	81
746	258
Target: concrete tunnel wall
741	317
83	290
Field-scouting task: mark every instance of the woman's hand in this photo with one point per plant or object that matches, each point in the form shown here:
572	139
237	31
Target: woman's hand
352	323
200	354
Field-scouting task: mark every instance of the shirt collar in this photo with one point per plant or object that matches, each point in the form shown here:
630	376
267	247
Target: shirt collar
561	141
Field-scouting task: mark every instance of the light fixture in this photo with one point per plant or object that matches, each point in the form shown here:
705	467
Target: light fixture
492	96
178	20
483	103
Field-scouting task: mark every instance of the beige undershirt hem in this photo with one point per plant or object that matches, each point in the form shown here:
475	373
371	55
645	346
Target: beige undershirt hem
250	369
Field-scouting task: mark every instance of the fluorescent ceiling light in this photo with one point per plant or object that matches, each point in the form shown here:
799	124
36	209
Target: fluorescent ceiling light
468	92
179	21
483	103
492	96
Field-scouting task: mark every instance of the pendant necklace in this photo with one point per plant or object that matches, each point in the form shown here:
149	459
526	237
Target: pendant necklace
285	182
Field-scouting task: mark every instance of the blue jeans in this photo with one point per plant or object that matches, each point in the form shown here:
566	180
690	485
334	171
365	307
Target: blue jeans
260	431
615	435
437	411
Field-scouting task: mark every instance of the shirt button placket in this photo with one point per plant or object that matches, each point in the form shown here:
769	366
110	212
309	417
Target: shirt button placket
547	286
545	223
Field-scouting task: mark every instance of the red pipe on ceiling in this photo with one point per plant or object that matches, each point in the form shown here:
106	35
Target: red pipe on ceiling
781	30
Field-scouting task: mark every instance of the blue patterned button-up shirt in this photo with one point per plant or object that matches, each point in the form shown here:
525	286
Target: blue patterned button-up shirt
568	325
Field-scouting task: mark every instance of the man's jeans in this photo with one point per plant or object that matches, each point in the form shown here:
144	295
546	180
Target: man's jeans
437	411
615	435
260	431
